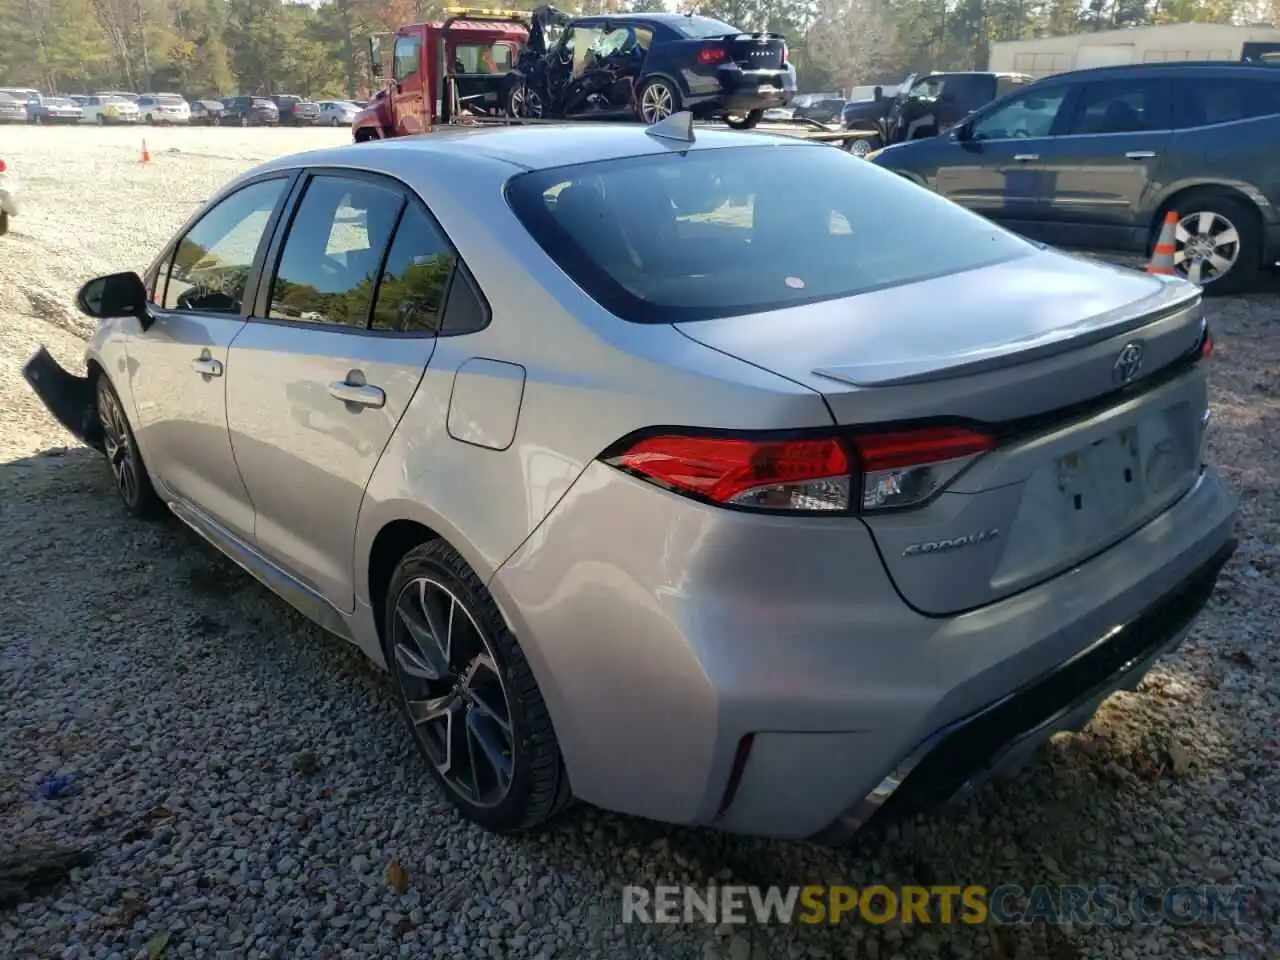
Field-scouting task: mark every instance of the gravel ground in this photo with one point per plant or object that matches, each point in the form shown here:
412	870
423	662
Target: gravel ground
237	782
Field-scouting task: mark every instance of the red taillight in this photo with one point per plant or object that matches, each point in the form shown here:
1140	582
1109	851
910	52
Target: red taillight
709	55
889	451
809	474
784	51
2	167
800	474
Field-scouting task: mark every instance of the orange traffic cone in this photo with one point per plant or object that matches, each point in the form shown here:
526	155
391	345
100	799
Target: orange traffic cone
1162	255
146	157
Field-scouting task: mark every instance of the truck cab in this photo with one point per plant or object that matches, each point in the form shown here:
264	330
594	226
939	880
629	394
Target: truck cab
441	72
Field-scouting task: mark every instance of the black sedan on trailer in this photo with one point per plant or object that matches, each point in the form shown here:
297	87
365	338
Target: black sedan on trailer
648	66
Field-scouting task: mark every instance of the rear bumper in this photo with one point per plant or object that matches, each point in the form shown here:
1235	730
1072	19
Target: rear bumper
998	739
745	90
762	676
70	399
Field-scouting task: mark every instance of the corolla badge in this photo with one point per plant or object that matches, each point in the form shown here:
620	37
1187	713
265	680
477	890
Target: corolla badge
1128	365
955	543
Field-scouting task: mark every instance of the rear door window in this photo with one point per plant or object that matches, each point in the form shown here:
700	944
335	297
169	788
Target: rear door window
714	233
331	257
1128	105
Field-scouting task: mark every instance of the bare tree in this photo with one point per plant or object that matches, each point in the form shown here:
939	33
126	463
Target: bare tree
853	40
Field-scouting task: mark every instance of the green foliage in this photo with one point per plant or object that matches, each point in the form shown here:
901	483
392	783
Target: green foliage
317	48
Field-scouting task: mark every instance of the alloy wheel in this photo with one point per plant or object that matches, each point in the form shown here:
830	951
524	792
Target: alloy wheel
656	103
119	450
860	147
453	691
1207	246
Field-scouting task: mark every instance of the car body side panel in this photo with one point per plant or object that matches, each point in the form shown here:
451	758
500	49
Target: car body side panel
181	412
306	455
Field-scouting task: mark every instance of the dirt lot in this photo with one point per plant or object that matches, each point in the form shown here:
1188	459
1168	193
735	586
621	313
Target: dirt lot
239	778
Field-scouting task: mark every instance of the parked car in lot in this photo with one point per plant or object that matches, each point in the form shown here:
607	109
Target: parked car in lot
109	108
164	108
24	95
762	525
206	112
55	110
296	111
338	113
1095	158
12	110
250	112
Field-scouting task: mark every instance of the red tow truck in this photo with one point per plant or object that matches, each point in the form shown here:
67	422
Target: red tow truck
442	72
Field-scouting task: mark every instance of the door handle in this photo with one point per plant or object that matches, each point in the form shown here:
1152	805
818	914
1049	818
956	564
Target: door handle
207	367
1140	154
1024	157
361	394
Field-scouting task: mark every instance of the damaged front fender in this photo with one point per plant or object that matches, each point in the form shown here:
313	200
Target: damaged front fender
69	398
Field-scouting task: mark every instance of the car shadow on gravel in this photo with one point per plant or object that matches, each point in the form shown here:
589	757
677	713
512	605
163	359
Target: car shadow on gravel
283	709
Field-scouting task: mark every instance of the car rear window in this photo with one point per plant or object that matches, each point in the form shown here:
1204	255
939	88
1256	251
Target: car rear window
697	27
722	232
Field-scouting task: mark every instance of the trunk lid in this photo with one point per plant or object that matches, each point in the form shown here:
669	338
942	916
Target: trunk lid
758	51
1029	351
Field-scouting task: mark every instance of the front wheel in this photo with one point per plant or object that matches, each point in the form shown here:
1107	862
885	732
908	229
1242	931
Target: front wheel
133	483
4	223
658	100
1217	244
468	695
739	122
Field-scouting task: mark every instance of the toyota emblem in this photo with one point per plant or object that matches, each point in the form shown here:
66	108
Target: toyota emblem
1128	365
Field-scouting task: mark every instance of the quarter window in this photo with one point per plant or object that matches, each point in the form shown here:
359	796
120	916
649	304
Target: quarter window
1226	100
1031	114
331	256
211	267
415	277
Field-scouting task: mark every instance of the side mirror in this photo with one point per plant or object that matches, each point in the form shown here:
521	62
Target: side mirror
961	132
115	295
375	57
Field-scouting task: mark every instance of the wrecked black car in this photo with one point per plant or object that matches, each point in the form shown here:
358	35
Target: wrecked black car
647	67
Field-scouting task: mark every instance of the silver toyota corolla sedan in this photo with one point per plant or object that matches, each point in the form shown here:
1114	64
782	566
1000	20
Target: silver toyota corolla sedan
711	477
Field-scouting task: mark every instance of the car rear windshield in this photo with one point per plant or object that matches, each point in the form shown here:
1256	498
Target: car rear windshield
697	27
723	232
263	103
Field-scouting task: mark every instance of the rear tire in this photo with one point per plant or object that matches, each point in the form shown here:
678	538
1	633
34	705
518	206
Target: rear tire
4	223
479	664
133	483
744	123
1207	224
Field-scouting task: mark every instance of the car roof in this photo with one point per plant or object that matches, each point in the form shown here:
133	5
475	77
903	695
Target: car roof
524	148
1230	68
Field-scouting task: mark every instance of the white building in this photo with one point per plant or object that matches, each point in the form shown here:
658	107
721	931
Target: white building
1107	48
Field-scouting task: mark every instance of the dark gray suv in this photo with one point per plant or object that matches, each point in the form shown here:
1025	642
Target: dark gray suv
1095	158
